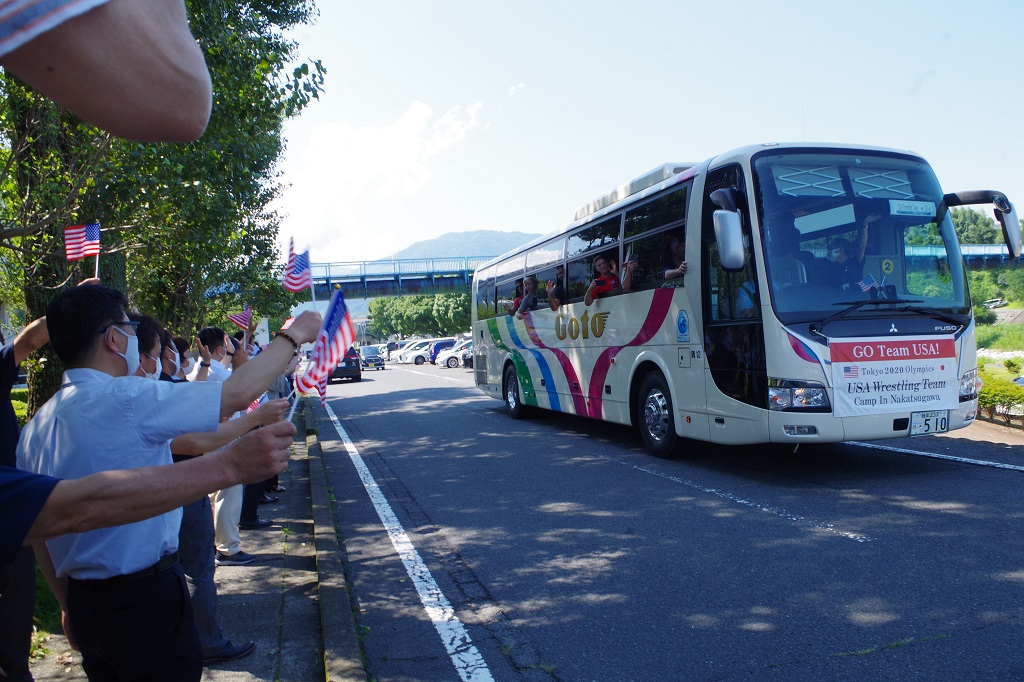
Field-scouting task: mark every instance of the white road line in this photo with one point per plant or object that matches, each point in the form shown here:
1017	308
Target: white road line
951	458
436	376
781	513
465	657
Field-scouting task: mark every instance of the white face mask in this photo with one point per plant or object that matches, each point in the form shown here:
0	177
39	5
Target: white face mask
131	354
189	364
152	375
177	363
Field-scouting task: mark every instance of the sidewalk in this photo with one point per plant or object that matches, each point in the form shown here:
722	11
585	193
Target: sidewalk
293	601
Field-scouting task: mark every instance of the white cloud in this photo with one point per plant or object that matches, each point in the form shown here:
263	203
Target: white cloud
342	176
515	89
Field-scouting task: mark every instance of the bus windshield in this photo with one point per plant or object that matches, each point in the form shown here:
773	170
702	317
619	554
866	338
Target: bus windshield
860	231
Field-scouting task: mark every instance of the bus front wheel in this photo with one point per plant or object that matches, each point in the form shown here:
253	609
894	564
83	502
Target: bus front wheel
654	416
513	396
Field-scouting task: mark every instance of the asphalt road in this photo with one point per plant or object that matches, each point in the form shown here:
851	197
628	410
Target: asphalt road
567	553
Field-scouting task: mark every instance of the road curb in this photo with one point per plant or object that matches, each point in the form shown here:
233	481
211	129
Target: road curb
343	658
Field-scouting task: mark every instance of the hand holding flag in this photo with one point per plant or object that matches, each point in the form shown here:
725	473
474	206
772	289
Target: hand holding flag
334	339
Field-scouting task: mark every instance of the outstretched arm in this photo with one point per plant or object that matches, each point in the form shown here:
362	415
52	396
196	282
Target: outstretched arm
130	67
111	498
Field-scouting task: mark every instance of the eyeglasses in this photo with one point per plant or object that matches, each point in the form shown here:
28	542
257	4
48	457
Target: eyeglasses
131	324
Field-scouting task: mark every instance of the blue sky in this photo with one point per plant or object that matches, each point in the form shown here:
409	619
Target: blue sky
449	116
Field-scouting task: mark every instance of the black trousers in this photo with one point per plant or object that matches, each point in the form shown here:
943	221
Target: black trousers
136	628
17	604
252	493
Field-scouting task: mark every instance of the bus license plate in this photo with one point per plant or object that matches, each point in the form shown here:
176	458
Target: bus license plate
923	423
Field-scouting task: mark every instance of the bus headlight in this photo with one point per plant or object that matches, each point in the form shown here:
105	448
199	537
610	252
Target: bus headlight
786	394
970	385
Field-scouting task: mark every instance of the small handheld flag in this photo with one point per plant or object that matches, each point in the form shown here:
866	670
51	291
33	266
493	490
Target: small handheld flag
336	336
82	240
297	275
242	319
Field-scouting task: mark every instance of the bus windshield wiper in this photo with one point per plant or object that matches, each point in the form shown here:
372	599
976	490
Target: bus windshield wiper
931	312
855	306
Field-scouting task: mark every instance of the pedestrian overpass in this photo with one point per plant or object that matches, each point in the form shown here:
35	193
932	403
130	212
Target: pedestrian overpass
404	277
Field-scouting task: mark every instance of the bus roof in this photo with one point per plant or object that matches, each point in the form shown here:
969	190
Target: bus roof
648	179
669	173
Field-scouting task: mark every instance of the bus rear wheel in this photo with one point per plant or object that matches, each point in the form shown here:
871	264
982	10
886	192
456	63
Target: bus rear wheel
513	396
654	416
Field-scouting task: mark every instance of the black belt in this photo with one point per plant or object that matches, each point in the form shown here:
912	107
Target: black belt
166	562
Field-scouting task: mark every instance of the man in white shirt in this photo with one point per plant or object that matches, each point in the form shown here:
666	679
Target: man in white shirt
123	593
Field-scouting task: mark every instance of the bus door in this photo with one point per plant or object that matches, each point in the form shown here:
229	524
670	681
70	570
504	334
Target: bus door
733	328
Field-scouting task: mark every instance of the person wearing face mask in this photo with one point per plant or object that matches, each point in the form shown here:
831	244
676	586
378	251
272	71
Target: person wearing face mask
122	590
187	361
148	332
213	339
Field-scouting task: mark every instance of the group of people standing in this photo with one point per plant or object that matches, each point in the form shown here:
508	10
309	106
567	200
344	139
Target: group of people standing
96	491
138	599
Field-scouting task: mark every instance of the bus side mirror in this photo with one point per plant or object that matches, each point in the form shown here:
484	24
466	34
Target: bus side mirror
729	235
1006	214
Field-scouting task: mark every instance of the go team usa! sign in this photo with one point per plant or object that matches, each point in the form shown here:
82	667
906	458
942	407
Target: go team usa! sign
878	375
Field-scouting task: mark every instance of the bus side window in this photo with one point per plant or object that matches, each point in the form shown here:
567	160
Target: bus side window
579	279
654	256
506	295
542	284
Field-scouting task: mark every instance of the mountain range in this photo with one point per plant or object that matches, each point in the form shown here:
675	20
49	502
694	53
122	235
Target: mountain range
472	243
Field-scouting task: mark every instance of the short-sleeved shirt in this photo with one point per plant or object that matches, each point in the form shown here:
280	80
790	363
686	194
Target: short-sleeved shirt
8	420
611	285
97	422
23	20
529	302
22	496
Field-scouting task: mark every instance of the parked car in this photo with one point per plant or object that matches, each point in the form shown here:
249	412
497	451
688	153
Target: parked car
405	355
418	356
348	368
437	347
371	357
451	356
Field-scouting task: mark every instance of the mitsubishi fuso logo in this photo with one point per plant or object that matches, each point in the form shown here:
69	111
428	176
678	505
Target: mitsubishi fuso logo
893	329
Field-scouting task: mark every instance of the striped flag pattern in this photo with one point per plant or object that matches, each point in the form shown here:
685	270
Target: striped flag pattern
242	319
336	336
297	275
82	240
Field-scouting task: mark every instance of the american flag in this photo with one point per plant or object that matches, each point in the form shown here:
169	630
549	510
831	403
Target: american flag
336	336
851	371
82	240
296	273
242	319
868	283
256	403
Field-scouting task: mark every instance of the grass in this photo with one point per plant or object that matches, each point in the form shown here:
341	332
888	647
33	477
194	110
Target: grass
1001	336
47	617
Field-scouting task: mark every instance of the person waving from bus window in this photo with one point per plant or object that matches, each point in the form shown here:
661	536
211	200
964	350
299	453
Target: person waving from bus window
674	258
849	259
607	281
556	289
529	300
512	307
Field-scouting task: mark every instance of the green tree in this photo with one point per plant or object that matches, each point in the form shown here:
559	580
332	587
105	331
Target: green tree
974	227
178	219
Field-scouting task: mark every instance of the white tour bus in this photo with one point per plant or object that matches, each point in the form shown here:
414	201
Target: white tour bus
824	299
